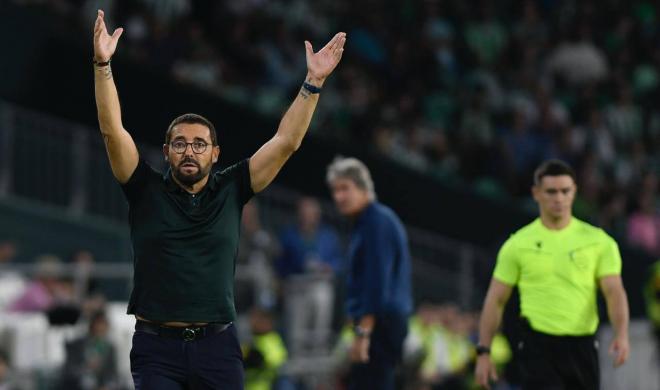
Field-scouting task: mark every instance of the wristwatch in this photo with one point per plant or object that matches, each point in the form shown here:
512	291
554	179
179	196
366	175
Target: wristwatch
311	88
100	64
361	332
482	350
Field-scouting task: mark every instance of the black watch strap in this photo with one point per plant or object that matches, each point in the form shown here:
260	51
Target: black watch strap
311	88
100	64
482	350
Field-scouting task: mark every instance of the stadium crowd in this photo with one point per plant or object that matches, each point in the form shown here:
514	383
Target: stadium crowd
474	93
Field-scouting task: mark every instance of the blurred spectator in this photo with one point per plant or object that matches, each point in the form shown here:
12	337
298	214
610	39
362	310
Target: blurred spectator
600	139
613	214
50	292
202	69
454	330
423	353
578	60
652	296
256	250
42	293
265	353
486	36
310	259
168	11
6	381
624	118
12	284
521	148
341	361
439	349
378	289
84	284
644	224
91	360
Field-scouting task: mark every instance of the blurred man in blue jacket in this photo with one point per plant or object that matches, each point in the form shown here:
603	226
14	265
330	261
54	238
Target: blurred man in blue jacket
311	256
379	298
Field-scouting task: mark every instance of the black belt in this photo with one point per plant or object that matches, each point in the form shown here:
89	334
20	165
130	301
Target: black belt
190	333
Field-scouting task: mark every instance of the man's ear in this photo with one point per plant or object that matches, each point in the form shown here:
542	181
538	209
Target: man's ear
166	151
216	154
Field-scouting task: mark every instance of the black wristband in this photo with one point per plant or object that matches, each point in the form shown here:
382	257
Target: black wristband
482	350
100	64
311	88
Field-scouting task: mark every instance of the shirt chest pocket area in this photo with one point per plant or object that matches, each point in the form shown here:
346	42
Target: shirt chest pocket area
584	259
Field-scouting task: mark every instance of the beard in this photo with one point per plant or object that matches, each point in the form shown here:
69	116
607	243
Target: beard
189	179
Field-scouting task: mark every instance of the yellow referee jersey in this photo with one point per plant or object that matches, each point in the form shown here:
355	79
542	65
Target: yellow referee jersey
557	274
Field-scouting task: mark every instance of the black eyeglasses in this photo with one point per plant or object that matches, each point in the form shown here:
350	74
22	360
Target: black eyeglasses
198	147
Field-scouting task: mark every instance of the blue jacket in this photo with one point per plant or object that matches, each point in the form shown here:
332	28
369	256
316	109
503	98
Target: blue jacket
379	274
296	250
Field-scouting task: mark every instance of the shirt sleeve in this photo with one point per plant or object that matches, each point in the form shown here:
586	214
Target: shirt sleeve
240	174
609	262
136	184
507	269
379	253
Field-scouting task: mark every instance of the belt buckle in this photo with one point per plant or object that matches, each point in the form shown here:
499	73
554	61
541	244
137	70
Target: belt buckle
189	334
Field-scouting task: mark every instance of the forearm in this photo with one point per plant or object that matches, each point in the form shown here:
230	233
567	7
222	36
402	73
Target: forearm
107	102
269	159
122	153
490	320
617	310
295	122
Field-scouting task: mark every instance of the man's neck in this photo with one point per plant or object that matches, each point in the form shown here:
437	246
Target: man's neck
556	223
361	210
193	189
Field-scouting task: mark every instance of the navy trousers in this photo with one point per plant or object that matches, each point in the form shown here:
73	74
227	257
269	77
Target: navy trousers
385	350
213	362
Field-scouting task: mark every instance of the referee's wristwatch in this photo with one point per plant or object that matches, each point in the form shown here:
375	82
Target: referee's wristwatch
482	350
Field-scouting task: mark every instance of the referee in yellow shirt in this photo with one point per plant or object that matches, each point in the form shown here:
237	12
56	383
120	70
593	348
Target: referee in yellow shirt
557	262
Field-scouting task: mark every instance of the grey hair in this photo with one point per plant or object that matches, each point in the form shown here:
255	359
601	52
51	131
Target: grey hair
353	169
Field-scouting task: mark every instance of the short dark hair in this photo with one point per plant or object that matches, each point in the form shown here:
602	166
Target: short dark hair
192	119
553	167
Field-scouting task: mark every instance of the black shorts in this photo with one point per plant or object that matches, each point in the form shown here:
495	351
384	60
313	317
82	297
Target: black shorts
558	362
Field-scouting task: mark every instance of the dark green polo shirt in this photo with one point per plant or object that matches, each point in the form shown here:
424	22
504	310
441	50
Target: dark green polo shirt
185	245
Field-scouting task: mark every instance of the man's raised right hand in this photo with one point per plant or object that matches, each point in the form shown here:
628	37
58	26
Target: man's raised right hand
104	43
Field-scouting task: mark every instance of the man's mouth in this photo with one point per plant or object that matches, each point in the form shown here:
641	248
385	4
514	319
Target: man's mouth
189	167
189	164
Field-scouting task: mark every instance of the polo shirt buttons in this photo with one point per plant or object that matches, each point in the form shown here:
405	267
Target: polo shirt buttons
194	200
